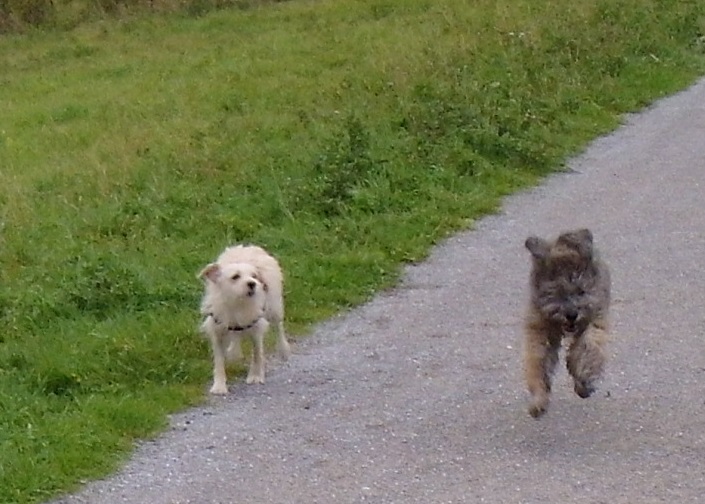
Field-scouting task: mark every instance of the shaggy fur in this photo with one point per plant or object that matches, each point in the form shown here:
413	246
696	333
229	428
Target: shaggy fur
243	295
570	297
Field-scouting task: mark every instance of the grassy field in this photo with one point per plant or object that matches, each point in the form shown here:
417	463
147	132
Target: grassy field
347	136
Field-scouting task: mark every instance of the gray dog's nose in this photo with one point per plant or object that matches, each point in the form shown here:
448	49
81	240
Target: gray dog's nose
571	315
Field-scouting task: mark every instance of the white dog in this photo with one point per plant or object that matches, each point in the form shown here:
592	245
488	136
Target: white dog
243	296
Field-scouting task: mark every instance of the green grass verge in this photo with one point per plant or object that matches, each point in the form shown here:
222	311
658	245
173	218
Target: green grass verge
346	136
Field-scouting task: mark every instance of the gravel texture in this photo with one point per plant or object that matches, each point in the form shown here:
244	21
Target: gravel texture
417	397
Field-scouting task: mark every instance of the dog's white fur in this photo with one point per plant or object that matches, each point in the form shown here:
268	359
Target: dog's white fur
243	296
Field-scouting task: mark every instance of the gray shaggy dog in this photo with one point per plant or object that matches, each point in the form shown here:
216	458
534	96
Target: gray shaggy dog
570	297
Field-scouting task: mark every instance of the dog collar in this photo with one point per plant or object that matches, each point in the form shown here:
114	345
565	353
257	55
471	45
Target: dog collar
237	328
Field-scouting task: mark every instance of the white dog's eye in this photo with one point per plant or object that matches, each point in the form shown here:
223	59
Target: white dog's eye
236	276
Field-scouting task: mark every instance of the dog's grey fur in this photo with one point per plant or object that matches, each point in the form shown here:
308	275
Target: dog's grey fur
570	297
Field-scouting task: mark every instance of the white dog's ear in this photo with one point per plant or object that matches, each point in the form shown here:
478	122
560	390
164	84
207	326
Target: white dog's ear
264	284
211	272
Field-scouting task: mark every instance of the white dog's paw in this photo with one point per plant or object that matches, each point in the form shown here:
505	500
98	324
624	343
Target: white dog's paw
219	389
284	350
255	377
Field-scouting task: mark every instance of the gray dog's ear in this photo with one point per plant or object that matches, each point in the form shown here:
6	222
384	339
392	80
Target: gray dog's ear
585	237
538	247
580	240
211	272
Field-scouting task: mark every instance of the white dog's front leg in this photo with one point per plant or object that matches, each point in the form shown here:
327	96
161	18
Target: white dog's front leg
219	386
256	372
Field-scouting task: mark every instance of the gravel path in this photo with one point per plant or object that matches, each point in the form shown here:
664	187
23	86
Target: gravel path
417	397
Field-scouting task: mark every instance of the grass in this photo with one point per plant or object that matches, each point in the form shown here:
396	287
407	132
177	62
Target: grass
346	136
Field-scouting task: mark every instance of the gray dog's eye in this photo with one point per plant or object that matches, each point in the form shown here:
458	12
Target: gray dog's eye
236	276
